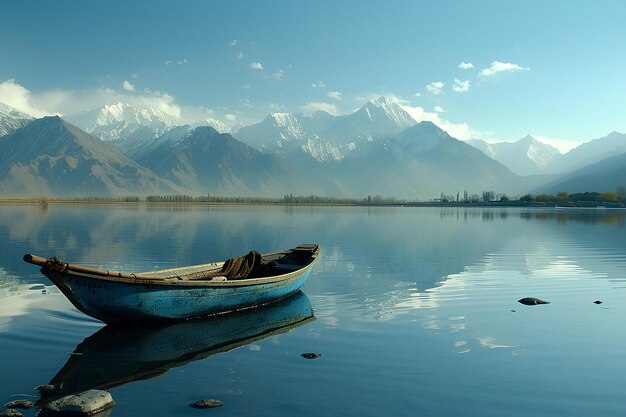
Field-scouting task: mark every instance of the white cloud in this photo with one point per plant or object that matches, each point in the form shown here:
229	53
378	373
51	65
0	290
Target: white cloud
234	42
439	109
14	95
157	100
70	101
418	94
457	130
246	86
317	106
435	87
128	86
276	106
498	67
239	55
334	95
179	62
279	75
466	65
256	65
318	84
134	75
64	102
461	86
195	114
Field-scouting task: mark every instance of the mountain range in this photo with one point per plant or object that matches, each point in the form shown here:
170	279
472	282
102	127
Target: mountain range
123	123
377	150
324	137
609	172
527	156
49	156
130	126
207	161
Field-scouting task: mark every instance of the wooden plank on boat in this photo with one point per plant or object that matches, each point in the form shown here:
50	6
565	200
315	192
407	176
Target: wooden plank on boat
43	262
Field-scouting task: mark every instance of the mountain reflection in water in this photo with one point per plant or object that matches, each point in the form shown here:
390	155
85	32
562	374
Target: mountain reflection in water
116	355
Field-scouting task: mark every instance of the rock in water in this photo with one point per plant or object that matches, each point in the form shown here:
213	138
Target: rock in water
208	403
311	355
532	301
10	412
23	404
84	403
44	388
597	302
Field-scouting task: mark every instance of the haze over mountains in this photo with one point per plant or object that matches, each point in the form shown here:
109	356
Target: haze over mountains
525	157
377	150
203	160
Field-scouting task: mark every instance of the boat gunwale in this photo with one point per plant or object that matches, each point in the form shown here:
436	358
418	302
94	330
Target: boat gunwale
203	283
180	281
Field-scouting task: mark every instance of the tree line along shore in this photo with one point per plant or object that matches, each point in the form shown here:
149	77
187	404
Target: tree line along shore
489	199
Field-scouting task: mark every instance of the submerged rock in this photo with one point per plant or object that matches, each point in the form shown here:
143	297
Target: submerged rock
10	412
23	404
532	301
208	403
311	355
85	403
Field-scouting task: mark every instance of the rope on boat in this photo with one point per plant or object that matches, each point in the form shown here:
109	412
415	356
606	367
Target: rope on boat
54	265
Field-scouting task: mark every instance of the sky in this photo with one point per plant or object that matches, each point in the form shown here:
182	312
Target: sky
493	70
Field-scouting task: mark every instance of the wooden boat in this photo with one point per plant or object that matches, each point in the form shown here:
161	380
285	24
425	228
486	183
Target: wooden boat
185	292
117	354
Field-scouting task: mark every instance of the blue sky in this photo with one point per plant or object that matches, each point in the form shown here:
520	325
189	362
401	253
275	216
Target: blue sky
554	69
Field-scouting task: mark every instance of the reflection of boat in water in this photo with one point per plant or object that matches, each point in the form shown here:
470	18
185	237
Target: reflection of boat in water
116	355
184	292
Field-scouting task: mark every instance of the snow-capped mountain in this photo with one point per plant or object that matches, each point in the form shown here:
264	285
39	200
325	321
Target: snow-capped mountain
12	119
377	119
527	156
313	147
124	124
214	123
283	127
139	149
324	137
384	110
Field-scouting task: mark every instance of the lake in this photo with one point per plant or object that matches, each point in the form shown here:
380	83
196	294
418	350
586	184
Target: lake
414	311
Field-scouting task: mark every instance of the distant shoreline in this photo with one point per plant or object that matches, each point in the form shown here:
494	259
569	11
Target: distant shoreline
492	204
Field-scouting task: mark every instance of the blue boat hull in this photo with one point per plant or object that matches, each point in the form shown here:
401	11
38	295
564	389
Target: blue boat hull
184	292
112	301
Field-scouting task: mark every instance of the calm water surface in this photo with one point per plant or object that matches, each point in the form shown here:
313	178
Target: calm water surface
414	311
